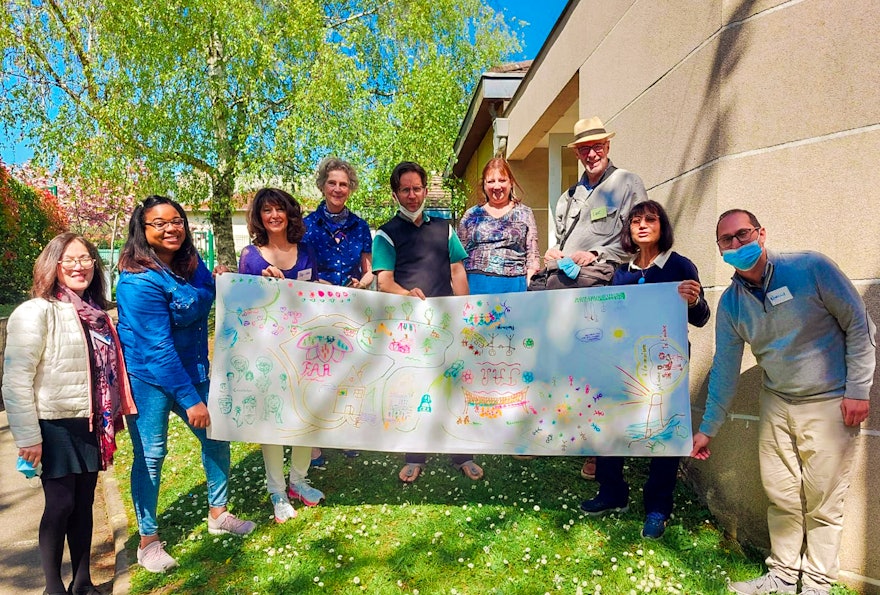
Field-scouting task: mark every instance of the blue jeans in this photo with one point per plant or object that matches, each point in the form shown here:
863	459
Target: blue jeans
149	437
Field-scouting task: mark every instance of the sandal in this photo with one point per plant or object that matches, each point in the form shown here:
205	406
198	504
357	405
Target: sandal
410	472
588	471
471	470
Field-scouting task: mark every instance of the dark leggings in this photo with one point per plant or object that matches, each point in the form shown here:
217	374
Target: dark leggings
68	513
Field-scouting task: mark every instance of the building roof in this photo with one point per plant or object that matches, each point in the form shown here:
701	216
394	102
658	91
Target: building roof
495	87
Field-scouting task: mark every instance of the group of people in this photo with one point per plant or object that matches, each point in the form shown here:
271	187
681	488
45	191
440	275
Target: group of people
70	376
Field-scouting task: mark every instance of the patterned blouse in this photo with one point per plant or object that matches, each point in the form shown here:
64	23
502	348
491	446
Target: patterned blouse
506	246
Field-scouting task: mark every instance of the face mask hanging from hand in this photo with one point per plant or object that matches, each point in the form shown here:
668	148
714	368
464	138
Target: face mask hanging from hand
744	257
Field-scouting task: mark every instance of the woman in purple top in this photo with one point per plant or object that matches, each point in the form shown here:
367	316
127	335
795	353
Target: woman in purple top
500	236
276	227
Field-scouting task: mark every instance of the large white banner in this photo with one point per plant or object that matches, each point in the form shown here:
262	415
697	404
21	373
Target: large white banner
566	372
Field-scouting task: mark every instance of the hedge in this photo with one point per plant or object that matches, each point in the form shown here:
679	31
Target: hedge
29	218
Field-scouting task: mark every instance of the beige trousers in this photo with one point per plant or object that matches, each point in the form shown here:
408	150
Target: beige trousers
805	454
273	459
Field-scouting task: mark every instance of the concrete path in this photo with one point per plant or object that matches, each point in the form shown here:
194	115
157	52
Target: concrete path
21	506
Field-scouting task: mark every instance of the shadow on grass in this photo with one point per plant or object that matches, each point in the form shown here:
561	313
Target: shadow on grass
443	532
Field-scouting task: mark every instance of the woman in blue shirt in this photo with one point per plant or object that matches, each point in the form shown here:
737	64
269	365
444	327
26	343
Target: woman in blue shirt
648	236
164	295
341	239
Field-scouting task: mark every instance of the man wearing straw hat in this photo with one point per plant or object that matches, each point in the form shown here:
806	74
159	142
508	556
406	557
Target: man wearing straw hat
590	215
589	218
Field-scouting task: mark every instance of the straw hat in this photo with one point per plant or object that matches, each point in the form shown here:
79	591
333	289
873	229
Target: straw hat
589	130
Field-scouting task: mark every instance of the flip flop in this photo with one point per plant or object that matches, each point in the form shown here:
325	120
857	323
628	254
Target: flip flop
410	472
471	470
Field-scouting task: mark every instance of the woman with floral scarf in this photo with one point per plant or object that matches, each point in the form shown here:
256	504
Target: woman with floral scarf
65	390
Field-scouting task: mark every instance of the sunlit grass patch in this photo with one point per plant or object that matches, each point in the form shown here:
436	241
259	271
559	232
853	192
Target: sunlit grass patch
519	530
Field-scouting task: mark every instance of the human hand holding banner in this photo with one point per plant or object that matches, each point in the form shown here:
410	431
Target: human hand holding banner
570	372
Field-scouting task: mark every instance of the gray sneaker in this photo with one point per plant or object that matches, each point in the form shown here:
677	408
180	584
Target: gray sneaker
303	491
154	557
763	585
282	508
229	523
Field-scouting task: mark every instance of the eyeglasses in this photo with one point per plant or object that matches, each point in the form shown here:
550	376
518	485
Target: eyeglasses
412	190
744	235
85	262
161	224
584	150
637	221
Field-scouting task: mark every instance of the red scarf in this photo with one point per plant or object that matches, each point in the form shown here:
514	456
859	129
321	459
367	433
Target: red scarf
106	415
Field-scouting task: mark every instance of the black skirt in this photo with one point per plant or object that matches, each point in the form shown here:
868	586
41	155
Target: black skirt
69	447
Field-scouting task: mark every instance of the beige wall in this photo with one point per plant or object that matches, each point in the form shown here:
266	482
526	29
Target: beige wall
531	175
766	105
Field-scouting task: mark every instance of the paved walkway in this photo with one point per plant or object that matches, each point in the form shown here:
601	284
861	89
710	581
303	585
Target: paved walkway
21	506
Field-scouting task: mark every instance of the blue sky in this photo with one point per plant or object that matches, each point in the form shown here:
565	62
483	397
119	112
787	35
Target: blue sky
540	15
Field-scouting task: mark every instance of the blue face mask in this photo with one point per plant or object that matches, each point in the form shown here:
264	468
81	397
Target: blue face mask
744	257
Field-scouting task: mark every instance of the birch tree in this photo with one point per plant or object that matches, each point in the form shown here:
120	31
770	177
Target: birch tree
213	95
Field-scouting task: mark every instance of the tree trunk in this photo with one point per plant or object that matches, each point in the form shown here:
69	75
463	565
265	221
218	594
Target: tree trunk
221	221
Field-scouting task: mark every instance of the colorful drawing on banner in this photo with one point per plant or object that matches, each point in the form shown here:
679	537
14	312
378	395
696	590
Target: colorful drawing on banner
558	373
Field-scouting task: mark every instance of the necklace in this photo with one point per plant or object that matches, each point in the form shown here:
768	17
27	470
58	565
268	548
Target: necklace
642	279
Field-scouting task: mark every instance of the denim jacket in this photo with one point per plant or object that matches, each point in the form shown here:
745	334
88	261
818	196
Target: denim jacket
163	327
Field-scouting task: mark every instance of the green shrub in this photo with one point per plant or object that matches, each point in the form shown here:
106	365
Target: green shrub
29	218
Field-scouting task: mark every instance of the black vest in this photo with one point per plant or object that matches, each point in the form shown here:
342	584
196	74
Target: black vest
422	255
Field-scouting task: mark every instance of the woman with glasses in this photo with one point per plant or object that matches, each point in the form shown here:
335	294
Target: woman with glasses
500	236
164	295
648	236
65	390
276	227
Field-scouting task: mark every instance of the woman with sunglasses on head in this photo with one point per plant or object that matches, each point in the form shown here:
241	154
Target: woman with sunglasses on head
648	236
276	227
65	390
500	236
164	295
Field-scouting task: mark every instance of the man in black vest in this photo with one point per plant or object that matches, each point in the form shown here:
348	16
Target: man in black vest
418	256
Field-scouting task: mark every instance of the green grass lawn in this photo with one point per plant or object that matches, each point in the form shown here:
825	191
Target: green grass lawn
517	531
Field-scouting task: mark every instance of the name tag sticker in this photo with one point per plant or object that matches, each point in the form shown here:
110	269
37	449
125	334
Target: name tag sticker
103	339
598	213
304	275
779	296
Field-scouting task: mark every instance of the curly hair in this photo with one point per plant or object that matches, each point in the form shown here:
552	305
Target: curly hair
296	227
329	164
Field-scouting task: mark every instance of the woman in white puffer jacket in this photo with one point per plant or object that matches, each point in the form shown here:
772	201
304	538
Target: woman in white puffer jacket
65	390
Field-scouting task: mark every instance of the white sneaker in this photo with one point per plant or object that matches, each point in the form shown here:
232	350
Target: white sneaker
229	523
301	490
154	557
283	508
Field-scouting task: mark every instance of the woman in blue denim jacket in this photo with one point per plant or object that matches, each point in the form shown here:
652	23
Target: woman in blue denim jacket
164	295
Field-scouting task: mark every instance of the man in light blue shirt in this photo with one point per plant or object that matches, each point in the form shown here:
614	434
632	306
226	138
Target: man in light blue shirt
810	332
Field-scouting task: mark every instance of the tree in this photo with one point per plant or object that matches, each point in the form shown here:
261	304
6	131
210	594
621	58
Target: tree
94	208
29	218
208	93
